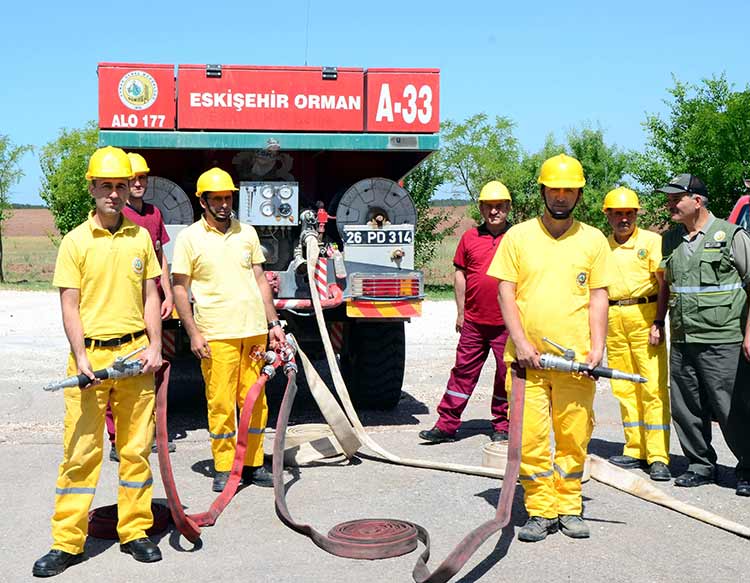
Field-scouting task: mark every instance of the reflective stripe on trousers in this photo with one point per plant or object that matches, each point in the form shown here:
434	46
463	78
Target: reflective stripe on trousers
132	402
559	401
229	374
644	408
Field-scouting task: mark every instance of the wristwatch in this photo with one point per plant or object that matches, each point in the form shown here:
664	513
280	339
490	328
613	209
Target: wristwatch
274	323
659	323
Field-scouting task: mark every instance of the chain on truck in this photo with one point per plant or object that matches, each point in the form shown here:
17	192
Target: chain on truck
316	151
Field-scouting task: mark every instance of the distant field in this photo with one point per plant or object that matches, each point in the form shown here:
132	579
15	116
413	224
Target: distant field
30	223
28	250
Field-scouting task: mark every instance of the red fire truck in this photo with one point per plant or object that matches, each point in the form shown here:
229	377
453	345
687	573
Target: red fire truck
313	150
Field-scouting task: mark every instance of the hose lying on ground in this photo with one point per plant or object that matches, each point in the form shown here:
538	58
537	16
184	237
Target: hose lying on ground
383	538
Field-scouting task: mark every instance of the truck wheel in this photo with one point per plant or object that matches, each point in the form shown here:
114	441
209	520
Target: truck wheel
373	364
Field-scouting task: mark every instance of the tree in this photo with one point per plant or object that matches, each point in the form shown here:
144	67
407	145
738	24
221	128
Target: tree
707	133
421	183
64	187
476	151
10	174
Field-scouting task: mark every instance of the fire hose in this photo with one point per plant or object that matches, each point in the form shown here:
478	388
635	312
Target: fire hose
384	538
376	538
189	524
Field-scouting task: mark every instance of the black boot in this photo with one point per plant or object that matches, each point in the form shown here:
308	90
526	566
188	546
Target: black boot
220	481
259	476
435	435
143	550
54	563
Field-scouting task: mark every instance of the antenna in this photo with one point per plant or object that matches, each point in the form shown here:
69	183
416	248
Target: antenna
307	30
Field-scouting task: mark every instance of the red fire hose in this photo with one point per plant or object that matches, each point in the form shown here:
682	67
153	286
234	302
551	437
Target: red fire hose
189	524
379	538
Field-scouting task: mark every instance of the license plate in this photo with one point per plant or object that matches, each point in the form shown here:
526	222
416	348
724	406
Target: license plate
378	237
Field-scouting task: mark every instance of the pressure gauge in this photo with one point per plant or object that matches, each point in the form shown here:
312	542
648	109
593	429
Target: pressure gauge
285	192
266	209
285	209
266	191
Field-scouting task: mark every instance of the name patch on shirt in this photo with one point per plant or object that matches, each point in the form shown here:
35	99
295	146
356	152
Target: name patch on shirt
715	244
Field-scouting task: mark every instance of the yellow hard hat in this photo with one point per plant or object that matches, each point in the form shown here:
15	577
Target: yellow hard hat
109	162
138	163
621	198
562	171
494	191
214	180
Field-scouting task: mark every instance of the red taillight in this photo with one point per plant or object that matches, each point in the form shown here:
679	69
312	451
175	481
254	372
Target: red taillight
390	288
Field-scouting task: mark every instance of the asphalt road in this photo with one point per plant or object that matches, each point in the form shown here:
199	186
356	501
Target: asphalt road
631	540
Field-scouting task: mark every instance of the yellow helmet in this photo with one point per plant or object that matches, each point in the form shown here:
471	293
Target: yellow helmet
621	198
214	180
138	163
562	171
109	162
494	191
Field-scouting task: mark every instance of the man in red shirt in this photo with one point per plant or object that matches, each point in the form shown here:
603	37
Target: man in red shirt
479	320
149	217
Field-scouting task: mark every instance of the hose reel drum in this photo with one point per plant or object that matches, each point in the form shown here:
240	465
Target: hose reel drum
368	198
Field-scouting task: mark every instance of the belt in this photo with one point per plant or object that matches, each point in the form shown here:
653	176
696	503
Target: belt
633	301
113	341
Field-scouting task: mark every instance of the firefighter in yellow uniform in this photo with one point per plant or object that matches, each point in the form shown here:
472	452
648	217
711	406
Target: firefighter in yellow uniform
554	272
220	260
635	338
110	307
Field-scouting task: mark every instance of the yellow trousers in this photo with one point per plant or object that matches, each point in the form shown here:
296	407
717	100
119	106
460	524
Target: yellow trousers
563	403
132	401
233	368
644	407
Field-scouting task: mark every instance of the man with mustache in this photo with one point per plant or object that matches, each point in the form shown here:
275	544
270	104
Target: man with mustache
220	260
635	337
479	320
706	263
554	272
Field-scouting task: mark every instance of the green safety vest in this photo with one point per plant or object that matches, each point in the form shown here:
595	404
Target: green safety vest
706	295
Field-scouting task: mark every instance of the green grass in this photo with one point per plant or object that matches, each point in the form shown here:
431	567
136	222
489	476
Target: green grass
439	292
440	270
438	275
28	263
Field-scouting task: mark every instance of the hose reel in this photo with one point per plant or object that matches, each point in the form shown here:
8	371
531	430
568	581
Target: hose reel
368	198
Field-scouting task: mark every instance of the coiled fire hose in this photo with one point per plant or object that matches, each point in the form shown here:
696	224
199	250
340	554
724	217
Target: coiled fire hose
384	538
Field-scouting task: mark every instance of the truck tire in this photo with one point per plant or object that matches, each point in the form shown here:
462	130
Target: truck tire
373	364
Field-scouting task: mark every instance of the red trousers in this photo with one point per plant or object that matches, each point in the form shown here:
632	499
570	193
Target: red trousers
473	348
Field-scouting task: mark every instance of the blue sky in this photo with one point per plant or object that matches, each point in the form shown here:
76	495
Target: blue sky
549	66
